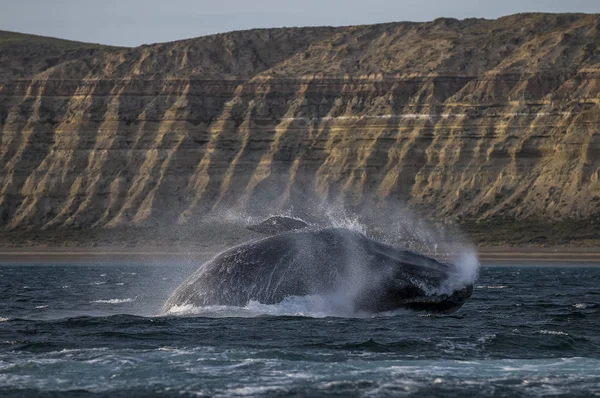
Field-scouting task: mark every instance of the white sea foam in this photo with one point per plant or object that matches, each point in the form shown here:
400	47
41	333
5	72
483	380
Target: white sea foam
553	332
486	338
113	301
254	391
312	306
582	306
309	306
3	319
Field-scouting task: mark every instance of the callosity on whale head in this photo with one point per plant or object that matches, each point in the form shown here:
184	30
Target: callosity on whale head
330	262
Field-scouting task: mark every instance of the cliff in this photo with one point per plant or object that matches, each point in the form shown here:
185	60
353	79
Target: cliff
482	122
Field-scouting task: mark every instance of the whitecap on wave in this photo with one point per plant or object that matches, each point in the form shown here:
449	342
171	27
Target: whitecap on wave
113	301
491	287
553	332
583	306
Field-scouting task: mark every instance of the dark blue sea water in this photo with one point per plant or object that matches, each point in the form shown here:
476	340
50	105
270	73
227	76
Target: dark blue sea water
79	330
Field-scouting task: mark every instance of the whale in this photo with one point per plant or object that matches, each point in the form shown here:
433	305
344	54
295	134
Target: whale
296	259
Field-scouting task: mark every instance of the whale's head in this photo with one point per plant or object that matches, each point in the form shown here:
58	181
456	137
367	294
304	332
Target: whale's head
446	303
376	277
407	279
414	294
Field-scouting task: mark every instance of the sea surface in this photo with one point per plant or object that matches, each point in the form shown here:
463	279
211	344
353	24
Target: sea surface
97	330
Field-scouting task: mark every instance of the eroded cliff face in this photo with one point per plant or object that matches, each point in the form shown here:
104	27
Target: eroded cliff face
472	120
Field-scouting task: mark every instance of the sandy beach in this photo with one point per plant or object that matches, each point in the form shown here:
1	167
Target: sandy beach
487	255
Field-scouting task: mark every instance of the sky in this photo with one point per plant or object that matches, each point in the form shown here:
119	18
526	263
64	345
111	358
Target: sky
136	22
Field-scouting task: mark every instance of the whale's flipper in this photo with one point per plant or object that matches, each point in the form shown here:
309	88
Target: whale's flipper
278	224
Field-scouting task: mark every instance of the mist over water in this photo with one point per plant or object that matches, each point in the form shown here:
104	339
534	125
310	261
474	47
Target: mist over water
392	223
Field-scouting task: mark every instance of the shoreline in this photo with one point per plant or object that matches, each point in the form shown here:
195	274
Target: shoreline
153	256
529	255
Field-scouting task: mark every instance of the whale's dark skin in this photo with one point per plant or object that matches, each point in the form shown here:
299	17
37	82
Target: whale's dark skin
377	277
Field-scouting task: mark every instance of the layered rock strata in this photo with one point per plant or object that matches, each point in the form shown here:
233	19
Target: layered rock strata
472	120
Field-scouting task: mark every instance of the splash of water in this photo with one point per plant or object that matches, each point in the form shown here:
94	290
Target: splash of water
405	230
339	217
310	306
468	265
401	230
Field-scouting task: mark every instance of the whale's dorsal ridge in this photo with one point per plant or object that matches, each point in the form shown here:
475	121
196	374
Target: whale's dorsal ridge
278	224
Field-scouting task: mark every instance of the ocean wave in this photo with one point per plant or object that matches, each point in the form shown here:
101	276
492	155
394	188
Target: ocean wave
553	332
3	319
113	301
487	338
583	306
254	391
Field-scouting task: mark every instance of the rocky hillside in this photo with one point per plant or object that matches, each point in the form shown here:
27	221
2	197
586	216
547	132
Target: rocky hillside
480	121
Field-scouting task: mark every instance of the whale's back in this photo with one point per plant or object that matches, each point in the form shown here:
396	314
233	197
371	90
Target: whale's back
308	262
